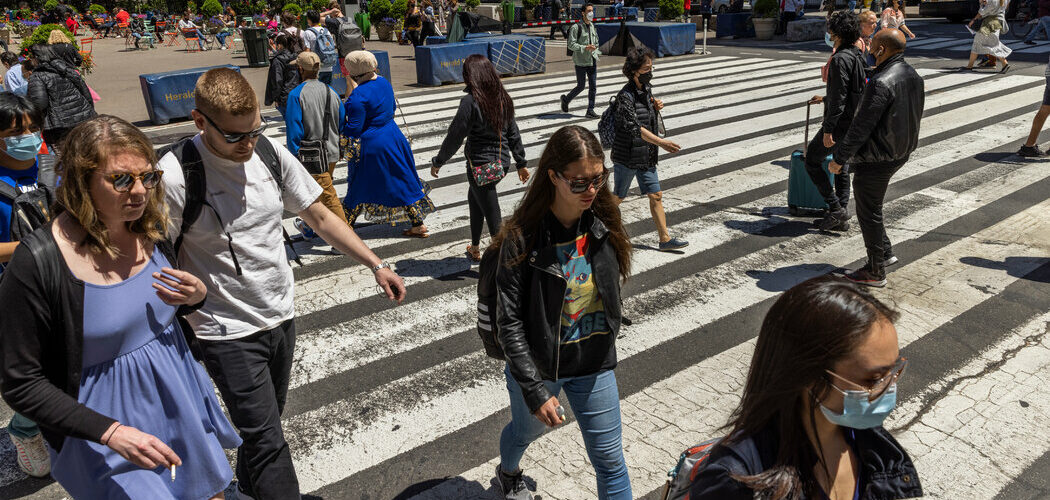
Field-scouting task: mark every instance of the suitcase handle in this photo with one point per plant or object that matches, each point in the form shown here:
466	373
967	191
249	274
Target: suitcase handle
805	138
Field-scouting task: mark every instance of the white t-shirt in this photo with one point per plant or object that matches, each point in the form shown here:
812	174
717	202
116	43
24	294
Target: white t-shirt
251	206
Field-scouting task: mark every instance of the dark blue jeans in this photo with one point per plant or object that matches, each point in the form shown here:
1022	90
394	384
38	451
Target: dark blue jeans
591	75
837	196
595	401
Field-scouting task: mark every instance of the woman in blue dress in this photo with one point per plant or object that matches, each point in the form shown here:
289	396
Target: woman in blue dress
382	181
91	349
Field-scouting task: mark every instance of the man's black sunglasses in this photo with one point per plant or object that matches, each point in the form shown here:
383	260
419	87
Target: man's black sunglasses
235	138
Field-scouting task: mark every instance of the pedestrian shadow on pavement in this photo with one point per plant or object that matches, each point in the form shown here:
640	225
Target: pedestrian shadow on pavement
1018	267
998	157
457	488
782	279
655	249
455	268
774	226
784	164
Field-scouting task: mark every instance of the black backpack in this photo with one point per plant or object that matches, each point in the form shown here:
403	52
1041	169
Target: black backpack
196	186
348	38
32	209
487	329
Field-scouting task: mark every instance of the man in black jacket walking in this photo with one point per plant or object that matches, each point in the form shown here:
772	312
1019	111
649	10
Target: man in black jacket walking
878	144
844	88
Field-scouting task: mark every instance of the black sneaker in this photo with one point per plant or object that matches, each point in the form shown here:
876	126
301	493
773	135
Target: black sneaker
1029	152
864	276
592	114
564	105
512	485
1029	42
834	221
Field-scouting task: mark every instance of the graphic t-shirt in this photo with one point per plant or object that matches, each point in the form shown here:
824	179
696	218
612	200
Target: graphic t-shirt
24	181
582	315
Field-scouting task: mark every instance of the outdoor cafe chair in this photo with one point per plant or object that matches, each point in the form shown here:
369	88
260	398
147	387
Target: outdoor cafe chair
192	41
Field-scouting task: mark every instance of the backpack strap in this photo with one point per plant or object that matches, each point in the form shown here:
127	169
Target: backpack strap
47	174
8	191
196	185
268	154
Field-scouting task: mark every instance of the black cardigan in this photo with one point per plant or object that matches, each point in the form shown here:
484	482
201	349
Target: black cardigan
41	349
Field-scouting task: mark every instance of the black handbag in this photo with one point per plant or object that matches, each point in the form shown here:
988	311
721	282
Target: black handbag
313	154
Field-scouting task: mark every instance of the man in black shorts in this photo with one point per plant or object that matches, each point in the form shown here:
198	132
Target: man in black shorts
1030	149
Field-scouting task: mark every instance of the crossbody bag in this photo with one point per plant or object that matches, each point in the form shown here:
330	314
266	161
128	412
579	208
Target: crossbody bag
492	171
313	154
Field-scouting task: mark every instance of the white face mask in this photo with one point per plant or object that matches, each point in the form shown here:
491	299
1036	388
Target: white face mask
590	16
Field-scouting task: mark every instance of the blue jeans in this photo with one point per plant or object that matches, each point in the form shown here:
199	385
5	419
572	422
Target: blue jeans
623	176
138	37
595	401
221	37
22	427
1042	27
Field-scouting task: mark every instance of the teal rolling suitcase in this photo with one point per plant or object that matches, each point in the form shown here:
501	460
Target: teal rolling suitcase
803	197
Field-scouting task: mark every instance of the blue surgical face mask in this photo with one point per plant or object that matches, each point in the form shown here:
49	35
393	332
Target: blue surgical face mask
827	40
24	147
860	413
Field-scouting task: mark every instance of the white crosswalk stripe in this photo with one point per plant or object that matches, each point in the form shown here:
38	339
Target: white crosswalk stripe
387	401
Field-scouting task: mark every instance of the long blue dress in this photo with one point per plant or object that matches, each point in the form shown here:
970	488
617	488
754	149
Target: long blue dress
138	370
382	183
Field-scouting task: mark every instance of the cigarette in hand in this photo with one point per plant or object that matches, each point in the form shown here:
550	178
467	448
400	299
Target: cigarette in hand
173	473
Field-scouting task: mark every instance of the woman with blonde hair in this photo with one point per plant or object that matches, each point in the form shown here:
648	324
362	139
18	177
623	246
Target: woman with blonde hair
91	349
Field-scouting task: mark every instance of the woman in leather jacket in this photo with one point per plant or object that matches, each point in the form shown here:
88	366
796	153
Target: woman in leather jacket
809	425
486	109
283	76
562	257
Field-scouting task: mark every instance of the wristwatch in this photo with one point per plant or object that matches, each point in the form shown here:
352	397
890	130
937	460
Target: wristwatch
382	265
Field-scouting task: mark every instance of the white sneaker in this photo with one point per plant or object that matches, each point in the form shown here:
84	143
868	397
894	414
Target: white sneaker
32	455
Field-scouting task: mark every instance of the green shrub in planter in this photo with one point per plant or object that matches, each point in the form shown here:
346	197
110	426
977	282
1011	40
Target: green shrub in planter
378	10
767	9
211	8
50	4
670	9
97	9
42	32
294	8
398	9
319	5
191	6
472	4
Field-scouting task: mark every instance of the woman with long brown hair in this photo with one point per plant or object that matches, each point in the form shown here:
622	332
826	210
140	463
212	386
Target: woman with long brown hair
809	425
562	258
92	351
486	120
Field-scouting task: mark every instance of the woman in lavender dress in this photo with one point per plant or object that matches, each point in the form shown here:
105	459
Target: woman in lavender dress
91	349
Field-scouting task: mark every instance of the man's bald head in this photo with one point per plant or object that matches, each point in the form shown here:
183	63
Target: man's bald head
891	40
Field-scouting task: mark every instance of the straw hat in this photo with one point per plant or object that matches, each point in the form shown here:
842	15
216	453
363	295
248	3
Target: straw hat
360	62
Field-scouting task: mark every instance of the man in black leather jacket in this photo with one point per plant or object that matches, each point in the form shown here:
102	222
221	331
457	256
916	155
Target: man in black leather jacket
845	86
878	143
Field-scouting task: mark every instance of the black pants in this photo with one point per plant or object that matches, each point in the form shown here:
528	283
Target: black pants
483	202
869	187
785	18
590	73
556	15
837	197
252	375
413	36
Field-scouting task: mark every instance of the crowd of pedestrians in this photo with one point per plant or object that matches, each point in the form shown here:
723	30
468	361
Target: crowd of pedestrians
178	257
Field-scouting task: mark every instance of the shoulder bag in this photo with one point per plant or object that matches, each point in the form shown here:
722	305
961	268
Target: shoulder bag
492	171
313	154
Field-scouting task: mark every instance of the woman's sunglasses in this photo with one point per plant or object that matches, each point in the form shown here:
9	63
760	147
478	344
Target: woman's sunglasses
123	182
578	186
878	387
235	138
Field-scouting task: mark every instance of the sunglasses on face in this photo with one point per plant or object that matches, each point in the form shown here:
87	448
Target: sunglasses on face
877	388
123	183
235	138
578	186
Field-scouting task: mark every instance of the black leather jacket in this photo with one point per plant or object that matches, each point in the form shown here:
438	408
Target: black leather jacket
844	89
483	143
634	110
886	128
59	92
283	77
530	295
887	472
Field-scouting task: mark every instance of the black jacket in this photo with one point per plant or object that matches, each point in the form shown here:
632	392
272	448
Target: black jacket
530	296
887	472
41	349
283	77
59	92
634	109
845	86
886	129
483	143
